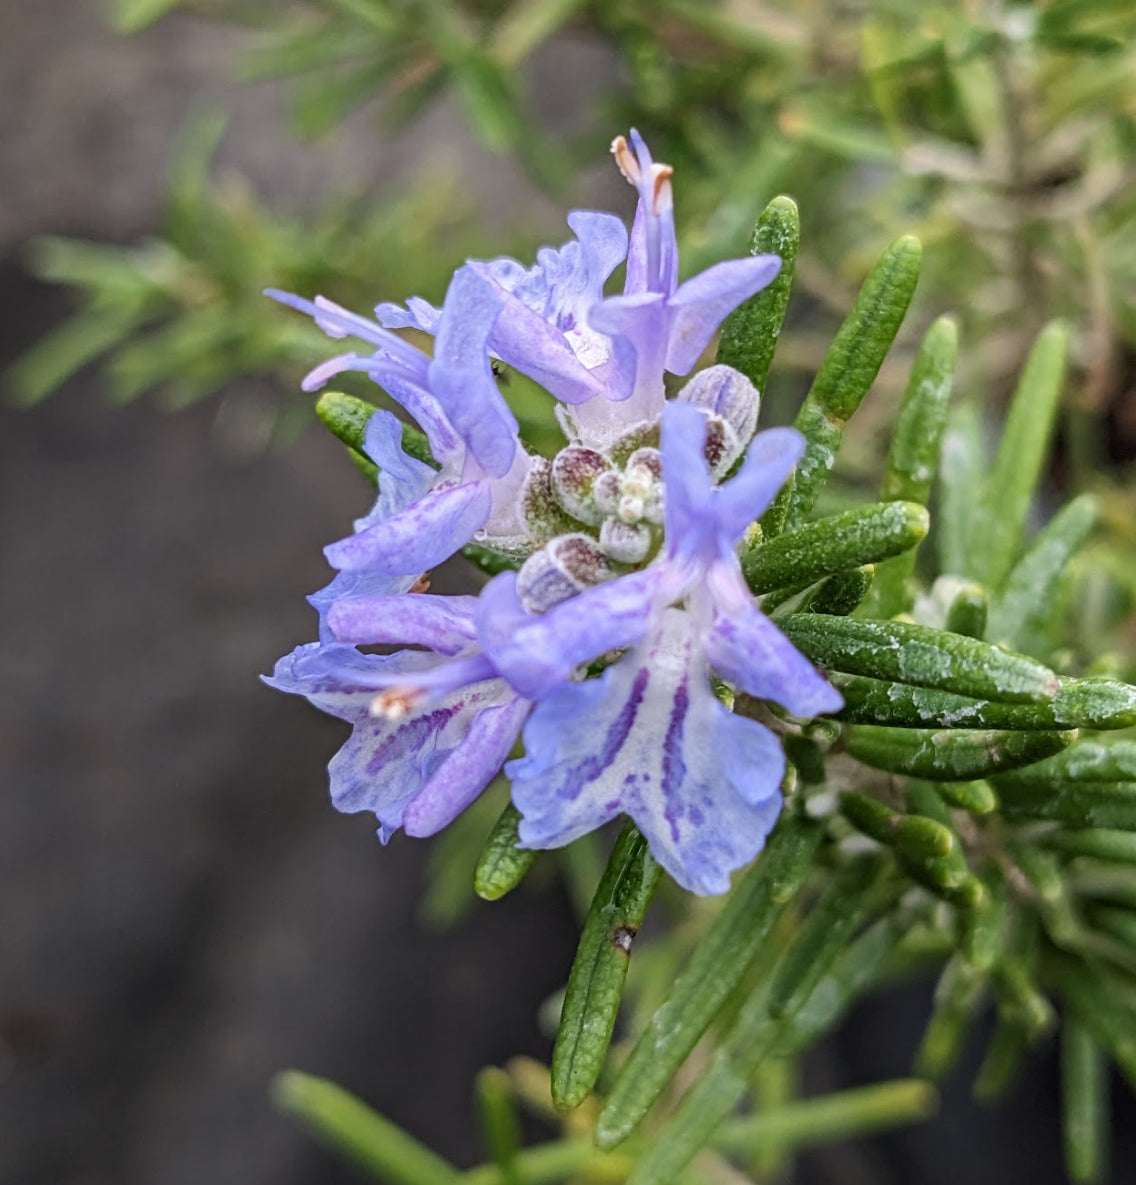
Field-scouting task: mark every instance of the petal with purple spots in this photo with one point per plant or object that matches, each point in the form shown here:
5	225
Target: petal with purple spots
649	739
468	769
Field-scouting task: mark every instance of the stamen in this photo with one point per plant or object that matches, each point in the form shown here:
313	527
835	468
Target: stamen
421	585
395	703
625	159
663	194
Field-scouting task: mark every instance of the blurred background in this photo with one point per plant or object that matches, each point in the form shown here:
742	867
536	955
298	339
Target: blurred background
181	914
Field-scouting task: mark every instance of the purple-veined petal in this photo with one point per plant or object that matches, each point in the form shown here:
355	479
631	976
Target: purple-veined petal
460	377
748	650
650	740
700	305
467	770
385	763
338	679
768	462
536	652
444	624
421	536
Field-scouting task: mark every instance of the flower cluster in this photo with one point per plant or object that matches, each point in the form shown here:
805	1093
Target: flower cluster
625	544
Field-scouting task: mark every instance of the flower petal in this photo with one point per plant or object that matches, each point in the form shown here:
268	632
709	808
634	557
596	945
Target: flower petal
461	379
748	650
444	624
536	652
686	476
650	740
468	769
419	537
700	305
641	319
603	238
419	314
768	462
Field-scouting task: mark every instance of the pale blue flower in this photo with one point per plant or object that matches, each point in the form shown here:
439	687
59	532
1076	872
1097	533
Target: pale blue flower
649	738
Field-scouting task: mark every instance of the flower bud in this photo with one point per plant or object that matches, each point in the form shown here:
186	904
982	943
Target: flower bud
641	487
574	474
562	568
626	543
541	513
728	394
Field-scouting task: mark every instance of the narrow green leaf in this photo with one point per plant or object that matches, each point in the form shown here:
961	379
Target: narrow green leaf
756	1031
996	531
131	16
848	371
359	1134
1117	922
750	332
55	358
968	611
857	969
716	967
903	653
984	923
1091	993
841	593
1020	996
916	835
975	797
1003	1058
1095	703
500	1126
595	985
502	865
1085	1110
962	469
850	1113
901	705
864	535
957	998
1044	872
1101	759
914	453
841	910
1108	805
1093	841
1024	606
950	755
557	1160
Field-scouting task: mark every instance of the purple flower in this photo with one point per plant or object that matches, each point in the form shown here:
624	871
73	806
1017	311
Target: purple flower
604	359
649	738
423	516
430	729
630	546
